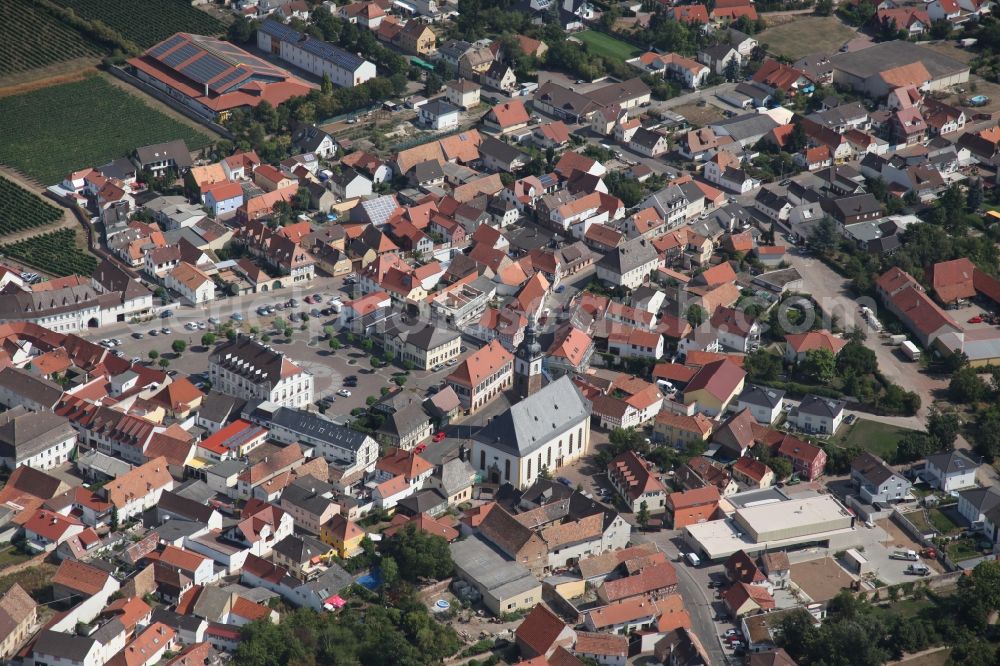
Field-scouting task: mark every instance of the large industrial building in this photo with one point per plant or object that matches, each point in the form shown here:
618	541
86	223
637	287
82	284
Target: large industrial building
345	69
212	77
879	69
790	522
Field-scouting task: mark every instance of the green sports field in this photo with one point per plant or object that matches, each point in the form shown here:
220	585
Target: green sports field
606	46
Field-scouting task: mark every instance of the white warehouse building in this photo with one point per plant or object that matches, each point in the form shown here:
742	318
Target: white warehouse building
345	69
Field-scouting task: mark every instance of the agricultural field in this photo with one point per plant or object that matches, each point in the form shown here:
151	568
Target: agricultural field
606	46
806	35
147	22
53	131
54	252
31	38
20	209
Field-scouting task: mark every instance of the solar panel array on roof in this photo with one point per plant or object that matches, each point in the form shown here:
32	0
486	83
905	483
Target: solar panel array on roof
183	53
228	79
281	31
166	45
206	68
324	50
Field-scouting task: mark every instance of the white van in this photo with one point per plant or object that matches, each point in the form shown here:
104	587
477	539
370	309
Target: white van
693	559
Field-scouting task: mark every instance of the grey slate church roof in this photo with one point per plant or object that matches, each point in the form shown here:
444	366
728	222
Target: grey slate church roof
554	410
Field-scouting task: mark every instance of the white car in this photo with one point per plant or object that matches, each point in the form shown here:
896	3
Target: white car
344	392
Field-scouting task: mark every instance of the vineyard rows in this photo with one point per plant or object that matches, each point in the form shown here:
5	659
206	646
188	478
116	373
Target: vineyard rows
30	37
20	209
54	252
149	21
48	133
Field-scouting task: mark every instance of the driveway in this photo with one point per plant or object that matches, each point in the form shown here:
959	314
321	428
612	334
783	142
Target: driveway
833	293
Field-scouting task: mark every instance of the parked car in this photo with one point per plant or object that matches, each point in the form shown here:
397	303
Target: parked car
566	482
166	313
138	336
165	330
419	448
236	316
344	392
439	435
154	332
213	321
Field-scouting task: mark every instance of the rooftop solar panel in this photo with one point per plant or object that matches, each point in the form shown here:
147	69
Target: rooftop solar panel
185	52
165	45
227	80
205	69
281	31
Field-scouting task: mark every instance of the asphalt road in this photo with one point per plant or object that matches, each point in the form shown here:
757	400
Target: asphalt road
699	599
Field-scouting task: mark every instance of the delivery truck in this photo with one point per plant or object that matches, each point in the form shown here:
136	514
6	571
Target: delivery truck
910	350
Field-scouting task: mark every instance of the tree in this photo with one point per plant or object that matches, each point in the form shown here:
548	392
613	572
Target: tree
732	70
824	238
944	428
940	29
695	315
966	387
288	331
855	359
419	554
781	467
153	354
241	32
266	115
301	200
163	363
819	365
208	339
986	433
389	571
643	516
545	473
856	335
762	366
914	446
824	7
974	196
432	84
334	344
178	346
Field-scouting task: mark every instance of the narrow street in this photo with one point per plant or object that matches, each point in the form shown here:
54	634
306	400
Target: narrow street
692	585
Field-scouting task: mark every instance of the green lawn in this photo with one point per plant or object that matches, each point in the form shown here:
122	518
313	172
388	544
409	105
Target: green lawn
908	608
605	46
920	522
942	522
872	436
962	549
10	556
51	131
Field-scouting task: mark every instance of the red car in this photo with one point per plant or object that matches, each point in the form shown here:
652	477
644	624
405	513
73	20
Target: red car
976	320
439	436
419	448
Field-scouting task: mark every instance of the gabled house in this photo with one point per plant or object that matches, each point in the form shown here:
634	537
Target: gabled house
877	482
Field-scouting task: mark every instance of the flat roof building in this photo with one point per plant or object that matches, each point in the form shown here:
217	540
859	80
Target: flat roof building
773	525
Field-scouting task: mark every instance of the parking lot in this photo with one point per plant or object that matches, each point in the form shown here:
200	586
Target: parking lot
308	344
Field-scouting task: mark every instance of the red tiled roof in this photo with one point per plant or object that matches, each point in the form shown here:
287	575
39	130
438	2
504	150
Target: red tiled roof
540	629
